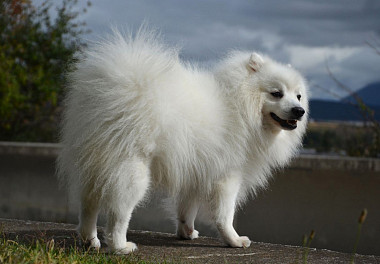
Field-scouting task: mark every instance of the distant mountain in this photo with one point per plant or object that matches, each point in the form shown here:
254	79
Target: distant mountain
346	109
370	94
321	110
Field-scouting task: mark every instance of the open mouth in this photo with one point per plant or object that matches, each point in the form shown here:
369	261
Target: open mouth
285	124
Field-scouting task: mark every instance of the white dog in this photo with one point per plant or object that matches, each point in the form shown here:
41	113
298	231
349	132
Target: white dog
136	117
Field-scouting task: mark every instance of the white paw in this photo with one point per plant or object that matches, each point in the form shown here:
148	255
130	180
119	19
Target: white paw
194	235
95	243
242	241
187	233
130	247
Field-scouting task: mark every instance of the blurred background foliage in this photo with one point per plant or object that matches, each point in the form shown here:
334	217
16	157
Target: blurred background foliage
37	45
343	139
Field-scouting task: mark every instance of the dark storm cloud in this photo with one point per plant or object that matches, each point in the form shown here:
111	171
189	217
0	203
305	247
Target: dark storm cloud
305	33
312	23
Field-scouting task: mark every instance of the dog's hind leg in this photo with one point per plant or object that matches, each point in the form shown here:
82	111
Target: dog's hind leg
87	219
130	186
222	207
187	210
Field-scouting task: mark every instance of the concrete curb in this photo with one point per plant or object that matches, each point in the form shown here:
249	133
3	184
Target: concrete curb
159	247
29	148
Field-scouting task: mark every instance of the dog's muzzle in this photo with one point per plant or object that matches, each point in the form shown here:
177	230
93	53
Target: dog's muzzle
290	124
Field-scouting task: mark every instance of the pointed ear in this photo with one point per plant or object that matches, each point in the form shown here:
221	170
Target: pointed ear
255	62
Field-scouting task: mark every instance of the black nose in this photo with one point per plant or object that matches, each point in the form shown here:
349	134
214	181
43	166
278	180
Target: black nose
298	111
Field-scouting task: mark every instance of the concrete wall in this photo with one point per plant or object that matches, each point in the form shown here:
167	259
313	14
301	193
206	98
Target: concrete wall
322	193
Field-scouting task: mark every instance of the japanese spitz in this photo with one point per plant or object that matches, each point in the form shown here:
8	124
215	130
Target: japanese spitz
138	118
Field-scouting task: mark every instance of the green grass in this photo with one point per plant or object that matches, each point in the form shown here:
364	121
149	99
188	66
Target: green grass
46	252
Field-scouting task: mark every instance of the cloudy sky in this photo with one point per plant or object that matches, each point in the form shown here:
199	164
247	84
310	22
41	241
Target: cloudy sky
307	34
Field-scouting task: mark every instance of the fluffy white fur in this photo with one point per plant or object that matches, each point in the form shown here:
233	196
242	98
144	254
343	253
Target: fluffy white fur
136	117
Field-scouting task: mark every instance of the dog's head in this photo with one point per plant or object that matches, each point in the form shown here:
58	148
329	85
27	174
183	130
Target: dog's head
283	92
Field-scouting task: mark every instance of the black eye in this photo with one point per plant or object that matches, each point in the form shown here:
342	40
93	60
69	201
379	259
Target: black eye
299	97
277	94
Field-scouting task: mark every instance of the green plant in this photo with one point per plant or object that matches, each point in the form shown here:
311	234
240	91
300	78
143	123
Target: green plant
361	220
306	245
46	252
35	51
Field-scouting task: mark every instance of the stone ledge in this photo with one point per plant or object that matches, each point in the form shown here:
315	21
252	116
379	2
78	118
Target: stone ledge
29	148
304	161
336	163
158	247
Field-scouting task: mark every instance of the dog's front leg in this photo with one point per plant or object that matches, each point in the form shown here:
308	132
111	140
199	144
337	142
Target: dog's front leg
223	207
